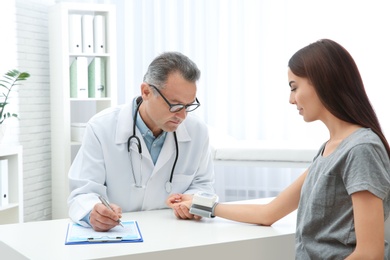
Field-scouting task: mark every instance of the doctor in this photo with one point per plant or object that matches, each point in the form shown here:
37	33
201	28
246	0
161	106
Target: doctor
136	155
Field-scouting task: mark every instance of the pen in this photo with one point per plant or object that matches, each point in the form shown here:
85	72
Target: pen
104	201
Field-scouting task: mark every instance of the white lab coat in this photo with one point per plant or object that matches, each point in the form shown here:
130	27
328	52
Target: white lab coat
102	165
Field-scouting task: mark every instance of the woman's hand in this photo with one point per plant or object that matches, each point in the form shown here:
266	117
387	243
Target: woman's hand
181	203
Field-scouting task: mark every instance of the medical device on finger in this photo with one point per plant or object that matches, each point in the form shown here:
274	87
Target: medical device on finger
203	204
134	139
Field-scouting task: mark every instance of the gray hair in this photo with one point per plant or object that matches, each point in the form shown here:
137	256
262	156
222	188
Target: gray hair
167	63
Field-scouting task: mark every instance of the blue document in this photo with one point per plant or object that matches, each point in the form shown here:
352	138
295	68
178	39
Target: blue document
129	233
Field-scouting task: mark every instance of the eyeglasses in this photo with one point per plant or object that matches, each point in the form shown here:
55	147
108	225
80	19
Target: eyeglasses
173	108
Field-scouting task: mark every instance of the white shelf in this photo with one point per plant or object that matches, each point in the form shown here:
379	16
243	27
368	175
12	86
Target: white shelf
13	211
81	54
64	109
89	99
9	206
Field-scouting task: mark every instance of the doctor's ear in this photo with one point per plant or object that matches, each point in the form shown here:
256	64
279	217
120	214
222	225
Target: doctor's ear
146	91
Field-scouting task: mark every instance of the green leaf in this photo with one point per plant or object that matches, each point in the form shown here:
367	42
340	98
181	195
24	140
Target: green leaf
10	79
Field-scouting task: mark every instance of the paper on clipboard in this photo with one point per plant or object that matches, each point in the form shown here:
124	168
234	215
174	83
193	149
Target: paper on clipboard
78	234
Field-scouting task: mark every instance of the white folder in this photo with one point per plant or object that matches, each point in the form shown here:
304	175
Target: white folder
75	42
87	32
97	78
4	182
79	78
99	33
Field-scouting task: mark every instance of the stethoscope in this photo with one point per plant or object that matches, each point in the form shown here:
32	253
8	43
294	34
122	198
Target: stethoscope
137	141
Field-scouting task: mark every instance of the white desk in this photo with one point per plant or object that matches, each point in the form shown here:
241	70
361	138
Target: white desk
165	237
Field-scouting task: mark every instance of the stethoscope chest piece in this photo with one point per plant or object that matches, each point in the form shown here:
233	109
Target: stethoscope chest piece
168	187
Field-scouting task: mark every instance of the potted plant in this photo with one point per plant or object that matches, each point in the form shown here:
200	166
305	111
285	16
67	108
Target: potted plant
10	79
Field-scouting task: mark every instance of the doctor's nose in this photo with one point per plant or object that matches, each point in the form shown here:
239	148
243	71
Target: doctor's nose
181	114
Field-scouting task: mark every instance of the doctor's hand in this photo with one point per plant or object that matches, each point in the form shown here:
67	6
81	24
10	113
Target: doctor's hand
103	218
181	203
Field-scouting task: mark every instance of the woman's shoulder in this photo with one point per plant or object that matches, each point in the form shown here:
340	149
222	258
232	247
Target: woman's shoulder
363	136
363	142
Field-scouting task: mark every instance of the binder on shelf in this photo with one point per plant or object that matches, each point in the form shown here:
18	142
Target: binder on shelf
87	33
99	33
97	78
79	78
4	182
75	38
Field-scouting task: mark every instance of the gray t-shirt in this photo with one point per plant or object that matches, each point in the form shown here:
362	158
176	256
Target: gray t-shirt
325	224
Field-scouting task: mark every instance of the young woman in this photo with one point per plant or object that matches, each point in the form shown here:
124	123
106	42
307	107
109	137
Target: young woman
343	197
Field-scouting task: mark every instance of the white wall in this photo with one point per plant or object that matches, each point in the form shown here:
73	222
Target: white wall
24	46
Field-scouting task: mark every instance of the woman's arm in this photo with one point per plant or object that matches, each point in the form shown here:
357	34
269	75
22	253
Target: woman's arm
266	214
369	226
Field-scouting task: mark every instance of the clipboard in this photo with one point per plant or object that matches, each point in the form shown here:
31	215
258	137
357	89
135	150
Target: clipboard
77	234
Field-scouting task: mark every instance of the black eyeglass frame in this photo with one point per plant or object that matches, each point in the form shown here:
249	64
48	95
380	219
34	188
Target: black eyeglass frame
174	108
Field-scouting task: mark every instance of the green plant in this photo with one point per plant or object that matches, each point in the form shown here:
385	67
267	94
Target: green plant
10	79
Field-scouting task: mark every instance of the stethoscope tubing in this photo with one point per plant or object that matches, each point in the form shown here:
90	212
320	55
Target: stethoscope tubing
168	185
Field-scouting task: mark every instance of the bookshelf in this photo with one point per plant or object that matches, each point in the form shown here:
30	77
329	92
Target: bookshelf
13	211
68	109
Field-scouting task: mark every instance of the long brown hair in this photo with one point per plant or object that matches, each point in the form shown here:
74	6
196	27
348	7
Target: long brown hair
333	73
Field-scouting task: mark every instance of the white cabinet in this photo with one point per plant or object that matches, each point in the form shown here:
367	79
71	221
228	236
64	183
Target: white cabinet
12	212
69	109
